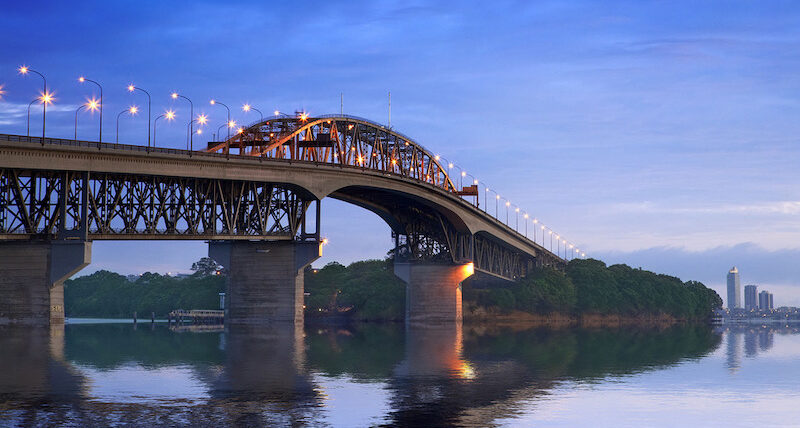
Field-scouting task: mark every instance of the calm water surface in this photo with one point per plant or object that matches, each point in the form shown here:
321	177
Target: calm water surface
105	374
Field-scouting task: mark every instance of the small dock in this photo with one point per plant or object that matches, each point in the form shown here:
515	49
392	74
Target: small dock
196	316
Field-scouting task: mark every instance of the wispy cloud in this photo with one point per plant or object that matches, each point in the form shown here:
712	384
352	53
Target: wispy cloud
647	207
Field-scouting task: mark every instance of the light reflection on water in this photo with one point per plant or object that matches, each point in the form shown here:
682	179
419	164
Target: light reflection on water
120	374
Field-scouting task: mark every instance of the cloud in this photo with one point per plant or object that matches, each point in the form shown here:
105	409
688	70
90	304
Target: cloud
647	207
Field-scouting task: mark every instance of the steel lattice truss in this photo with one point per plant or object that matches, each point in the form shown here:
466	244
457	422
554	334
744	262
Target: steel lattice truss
428	236
61	204
338	140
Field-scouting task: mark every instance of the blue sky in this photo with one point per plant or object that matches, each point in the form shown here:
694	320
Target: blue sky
660	134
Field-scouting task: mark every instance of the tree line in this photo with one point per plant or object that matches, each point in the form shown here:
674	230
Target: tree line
369	290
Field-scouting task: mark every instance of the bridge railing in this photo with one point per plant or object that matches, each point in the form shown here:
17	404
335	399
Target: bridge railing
510	223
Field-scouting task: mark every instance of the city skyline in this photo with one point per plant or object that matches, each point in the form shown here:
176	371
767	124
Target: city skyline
611	135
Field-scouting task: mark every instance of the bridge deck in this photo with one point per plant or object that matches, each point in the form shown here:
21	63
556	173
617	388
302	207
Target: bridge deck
321	179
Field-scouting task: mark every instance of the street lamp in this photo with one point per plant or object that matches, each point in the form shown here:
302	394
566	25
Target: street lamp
132	110
248	107
29	115
132	88
46	96
92	105
202	120
82	106
83	79
213	102
169	115
175	96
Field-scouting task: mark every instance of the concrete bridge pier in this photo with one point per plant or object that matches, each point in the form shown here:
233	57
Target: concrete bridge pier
265	279
32	275
433	291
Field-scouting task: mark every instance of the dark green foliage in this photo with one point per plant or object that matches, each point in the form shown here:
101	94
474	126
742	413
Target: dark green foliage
109	295
366	290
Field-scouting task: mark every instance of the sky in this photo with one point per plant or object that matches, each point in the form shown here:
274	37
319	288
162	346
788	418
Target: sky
659	134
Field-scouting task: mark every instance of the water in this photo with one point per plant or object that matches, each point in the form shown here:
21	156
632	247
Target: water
106	374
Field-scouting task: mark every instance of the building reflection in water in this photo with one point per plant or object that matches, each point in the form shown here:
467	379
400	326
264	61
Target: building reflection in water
750	339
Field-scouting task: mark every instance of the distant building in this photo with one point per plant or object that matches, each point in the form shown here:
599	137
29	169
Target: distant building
750	297
765	301
734	289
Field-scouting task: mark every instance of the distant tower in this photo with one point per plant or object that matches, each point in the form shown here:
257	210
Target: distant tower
750	297
734	289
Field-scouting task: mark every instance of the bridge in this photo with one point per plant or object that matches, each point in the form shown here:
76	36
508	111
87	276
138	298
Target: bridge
256	199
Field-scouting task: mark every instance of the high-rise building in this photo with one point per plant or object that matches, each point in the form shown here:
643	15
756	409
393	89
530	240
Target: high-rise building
765	301
750	297
734	289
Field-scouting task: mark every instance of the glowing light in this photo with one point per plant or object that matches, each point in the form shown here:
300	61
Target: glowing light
406	143
199	131
526	216
174	95
23	70
2	91
352	149
169	114
394	162
93	105
360	159
324	241
131	88
516	210
557	237
202	119
232	124
542	227
437	157
463	173
450	165
304	116
46	98
240	131
549	232
474	181
571	246
350	126
583	254
277	112
497	197
212	102
133	110
508	204
271	134
469	269
246	107
535	221
81	79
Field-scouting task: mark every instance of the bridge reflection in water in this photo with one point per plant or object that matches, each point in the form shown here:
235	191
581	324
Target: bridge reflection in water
295	376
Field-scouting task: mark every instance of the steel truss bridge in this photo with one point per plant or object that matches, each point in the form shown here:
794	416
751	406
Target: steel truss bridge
265	183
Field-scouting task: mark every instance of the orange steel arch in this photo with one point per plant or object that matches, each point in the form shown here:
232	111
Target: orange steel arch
341	140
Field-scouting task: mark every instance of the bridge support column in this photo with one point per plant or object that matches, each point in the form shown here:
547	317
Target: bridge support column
265	279
433	291
32	276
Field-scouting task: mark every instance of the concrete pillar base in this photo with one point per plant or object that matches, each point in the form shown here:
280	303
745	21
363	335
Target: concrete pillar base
265	279
433	291
32	276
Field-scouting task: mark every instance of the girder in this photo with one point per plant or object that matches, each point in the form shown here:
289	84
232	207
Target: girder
338	140
66	204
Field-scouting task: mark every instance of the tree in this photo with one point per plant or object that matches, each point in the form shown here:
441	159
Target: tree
206	266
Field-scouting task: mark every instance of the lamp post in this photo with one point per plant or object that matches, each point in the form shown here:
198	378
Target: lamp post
132	110
213	102
169	115
76	119
190	139
248	107
46	97
29	116
202	119
92	106
132	88
83	79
